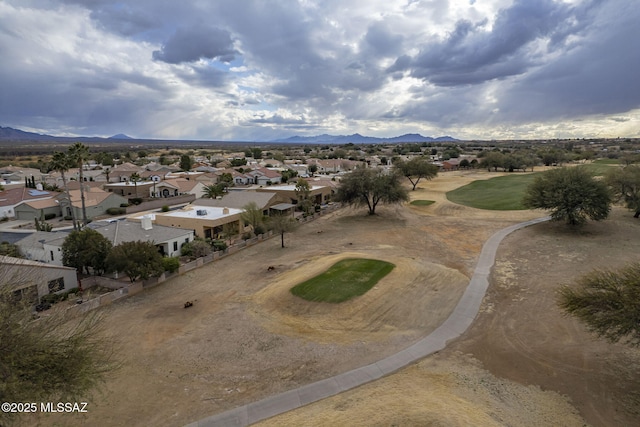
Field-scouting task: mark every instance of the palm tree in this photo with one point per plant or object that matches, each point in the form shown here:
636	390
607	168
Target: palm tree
212	191
78	153
60	162
135	178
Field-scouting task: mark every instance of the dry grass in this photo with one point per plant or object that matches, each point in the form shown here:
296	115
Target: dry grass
247	337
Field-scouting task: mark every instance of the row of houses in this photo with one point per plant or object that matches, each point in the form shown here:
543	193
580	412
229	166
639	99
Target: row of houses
42	271
169	231
204	218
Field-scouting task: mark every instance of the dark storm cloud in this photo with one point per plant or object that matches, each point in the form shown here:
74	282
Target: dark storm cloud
204	76
123	19
79	102
470	54
194	43
453	63
380	41
307	57
599	76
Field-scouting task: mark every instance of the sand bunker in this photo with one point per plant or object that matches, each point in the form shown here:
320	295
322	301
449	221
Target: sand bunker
396	304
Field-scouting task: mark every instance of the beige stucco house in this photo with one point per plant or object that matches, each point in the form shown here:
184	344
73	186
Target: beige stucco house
206	221
33	280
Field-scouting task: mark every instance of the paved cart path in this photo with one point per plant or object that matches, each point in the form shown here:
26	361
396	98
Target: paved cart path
455	325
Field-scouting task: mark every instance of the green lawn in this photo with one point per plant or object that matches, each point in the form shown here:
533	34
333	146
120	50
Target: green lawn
422	202
344	280
599	168
499	194
607	161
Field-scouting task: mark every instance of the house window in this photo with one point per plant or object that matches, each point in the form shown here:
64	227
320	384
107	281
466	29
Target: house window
51	253
29	293
56	285
175	246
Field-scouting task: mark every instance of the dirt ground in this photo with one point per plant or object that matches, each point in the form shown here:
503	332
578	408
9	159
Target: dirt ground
247	337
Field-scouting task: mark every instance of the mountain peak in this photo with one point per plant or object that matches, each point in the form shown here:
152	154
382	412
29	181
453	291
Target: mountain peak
120	136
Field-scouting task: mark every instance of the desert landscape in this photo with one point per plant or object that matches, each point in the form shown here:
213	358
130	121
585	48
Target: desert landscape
522	362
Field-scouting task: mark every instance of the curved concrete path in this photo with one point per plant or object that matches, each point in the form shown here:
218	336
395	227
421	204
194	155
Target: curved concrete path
456	324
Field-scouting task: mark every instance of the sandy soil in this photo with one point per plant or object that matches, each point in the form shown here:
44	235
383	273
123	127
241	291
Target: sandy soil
247	337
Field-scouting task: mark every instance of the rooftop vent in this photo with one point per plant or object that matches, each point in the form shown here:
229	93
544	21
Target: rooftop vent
201	212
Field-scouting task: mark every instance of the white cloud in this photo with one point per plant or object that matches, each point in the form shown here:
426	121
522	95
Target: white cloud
483	69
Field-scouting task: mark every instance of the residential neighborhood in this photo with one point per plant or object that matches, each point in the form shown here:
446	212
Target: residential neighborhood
173	198
213	245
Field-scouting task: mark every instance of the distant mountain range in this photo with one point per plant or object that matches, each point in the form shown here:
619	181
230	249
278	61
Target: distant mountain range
17	134
10	134
356	138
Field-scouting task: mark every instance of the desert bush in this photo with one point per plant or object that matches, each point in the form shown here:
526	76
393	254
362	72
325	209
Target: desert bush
116	211
170	264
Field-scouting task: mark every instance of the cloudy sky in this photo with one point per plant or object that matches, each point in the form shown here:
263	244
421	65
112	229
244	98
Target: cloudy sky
256	70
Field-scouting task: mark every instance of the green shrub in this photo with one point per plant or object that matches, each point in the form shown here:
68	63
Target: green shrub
259	229
186	249
196	249
62	296
116	211
170	264
68	217
124	205
135	200
49	216
50	298
165	208
219	245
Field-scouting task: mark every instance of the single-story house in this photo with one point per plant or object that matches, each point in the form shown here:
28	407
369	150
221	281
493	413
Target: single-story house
238	199
11	198
154	176
264	176
131	189
451	164
96	202
33	280
319	194
41	209
123	172
184	186
333	165
168	240
165	189
19	173
205	221
43	247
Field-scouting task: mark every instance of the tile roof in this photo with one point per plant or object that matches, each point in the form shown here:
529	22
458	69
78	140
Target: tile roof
129	231
19	261
39	238
239	199
42	204
14	196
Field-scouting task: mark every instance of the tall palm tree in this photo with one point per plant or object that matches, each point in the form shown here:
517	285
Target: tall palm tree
60	162
135	178
78	154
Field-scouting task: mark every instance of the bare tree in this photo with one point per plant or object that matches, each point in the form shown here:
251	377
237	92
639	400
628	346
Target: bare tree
282	223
